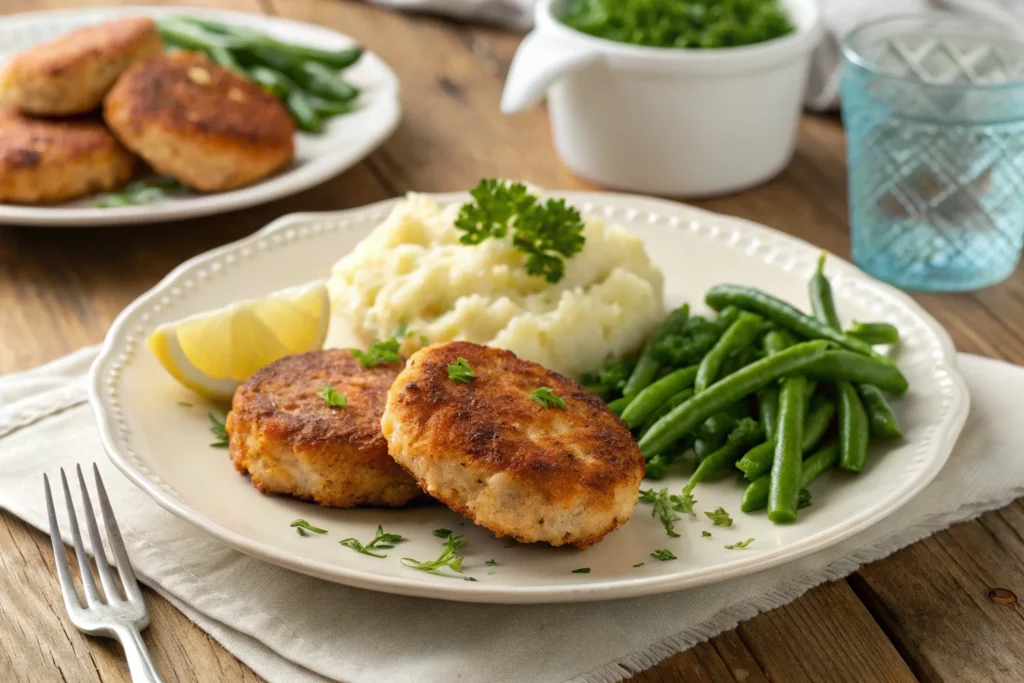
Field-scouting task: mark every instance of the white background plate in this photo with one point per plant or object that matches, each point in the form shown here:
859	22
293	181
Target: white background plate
164	448
344	141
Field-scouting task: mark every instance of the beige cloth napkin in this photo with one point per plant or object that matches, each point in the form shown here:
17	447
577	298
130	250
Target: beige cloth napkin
293	628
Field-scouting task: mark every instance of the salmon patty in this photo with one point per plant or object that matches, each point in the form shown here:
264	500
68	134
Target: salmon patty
283	433
489	450
44	161
72	73
200	123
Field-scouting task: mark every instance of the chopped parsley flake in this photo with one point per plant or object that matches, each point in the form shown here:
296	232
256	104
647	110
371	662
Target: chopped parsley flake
302	526
667	506
706	534
740	545
491	563
449	558
581	570
219	431
547	398
663	554
459	371
442	533
332	398
719	517
381	541
639	564
380	351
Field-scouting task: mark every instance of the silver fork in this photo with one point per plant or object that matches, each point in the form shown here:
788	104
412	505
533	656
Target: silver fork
109	614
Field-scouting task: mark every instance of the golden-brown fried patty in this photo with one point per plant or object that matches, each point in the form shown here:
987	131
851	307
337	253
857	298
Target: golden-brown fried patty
189	118
43	161
283	433
489	451
71	73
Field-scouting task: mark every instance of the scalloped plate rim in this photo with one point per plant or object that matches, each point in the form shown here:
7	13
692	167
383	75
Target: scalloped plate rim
941	442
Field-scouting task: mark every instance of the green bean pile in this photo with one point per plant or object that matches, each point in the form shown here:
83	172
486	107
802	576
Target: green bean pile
763	389
306	79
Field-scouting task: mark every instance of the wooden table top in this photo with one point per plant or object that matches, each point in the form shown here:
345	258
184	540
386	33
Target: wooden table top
932	612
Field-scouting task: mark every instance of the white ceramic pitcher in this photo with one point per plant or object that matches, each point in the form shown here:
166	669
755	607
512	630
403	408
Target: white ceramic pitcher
668	121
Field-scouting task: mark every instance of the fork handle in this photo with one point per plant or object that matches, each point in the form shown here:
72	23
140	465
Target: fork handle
139	664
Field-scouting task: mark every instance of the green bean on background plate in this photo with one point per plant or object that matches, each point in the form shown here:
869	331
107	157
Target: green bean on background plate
306	79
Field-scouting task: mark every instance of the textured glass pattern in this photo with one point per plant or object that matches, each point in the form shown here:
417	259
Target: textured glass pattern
934	114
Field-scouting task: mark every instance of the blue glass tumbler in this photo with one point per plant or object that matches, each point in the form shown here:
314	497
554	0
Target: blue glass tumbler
933	106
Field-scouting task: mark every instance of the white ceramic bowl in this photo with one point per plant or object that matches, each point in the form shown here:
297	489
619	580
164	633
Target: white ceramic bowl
669	121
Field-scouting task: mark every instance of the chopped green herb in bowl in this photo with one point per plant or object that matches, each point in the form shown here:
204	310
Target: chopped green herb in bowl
680	23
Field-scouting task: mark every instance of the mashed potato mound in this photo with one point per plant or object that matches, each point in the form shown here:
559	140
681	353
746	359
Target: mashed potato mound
413	272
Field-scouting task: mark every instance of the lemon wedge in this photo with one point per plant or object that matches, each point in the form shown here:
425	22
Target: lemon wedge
212	353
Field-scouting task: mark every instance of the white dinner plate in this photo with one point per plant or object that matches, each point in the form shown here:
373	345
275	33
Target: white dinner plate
344	141
164	449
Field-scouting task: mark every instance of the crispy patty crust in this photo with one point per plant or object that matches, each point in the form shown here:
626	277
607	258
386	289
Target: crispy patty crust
71	73
285	436
200	123
44	161
489	451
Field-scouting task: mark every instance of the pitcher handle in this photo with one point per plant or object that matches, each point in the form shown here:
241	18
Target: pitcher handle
540	60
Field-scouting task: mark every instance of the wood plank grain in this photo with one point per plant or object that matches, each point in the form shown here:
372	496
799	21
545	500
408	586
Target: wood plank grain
950	602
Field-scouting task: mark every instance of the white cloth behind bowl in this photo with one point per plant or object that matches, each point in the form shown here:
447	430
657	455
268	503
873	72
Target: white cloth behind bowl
839	16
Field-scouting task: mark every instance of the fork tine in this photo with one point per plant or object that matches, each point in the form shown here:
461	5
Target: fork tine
109	590
92	596
60	560
124	566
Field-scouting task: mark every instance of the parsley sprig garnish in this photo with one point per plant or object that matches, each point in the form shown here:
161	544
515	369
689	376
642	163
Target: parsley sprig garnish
663	554
460	371
302	526
545	233
381	541
740	545
547	398
667	506
219	431
449	558
380	351
332	398
719	517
